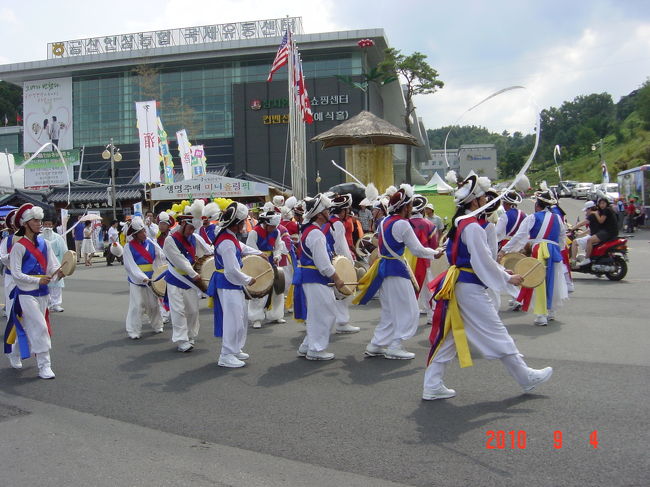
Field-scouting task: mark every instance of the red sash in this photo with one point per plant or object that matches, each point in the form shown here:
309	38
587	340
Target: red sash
27	243
186	245
204	234
227	236
142	250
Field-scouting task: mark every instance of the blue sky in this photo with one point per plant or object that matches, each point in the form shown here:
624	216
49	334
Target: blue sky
556	49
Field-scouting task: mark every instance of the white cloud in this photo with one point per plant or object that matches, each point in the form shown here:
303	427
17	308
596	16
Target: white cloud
8	16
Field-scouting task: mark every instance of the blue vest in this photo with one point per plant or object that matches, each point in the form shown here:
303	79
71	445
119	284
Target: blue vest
169	277
31	266
463	258
552	232
513	215
141	262
10	243
266	241
308	271
220	277
389	265
329	236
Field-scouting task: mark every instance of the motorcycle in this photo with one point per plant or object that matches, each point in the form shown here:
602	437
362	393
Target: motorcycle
607	258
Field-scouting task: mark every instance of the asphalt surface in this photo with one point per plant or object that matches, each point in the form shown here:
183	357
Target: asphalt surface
124	412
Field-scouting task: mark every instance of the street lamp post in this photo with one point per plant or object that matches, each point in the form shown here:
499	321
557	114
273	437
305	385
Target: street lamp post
113	153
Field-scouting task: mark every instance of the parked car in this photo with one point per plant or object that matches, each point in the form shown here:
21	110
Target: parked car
609	190
581	190
565	188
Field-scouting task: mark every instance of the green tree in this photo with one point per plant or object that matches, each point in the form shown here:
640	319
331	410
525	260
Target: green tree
643	103
418	78
11	101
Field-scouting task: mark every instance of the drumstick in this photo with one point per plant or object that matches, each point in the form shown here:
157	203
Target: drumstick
345	284
263	273
537	264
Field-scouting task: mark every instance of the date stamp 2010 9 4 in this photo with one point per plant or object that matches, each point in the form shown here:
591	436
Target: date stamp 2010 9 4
517	440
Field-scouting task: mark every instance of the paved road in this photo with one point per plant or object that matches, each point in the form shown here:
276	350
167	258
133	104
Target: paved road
139	413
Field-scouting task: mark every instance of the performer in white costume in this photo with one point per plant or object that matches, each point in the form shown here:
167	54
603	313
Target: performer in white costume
141	255
59	247
390	276
265	237
546	232
314	274
182	248
464	312
226	287
33	266
337	244
165	223
5	249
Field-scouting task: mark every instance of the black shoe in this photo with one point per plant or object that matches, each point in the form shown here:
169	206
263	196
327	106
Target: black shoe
109	265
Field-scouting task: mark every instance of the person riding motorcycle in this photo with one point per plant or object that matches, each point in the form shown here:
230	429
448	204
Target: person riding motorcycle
607	230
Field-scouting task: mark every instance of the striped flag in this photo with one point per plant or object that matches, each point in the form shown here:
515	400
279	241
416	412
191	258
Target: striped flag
281	57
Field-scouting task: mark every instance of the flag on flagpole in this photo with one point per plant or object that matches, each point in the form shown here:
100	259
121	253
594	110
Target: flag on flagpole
147	119
281	57
185	153
305	104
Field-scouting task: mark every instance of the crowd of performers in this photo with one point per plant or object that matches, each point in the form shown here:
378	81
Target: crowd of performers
301	239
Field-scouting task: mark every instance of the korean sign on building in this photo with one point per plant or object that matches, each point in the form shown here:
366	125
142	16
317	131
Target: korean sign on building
175	37
209	186
325	108
47	170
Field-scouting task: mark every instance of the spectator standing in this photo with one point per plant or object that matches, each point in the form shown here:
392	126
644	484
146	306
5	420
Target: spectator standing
78	237
630	211
430	214
620	212
365	217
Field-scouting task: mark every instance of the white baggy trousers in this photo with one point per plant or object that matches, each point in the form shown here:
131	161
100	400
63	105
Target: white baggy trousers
400	314
184	310
235	320
142	299
321	316
485	332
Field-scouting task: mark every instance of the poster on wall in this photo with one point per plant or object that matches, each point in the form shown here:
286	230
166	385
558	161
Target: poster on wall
47	113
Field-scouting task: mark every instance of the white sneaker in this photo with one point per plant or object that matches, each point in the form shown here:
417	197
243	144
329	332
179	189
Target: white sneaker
166	320
280	321
375	350
440	392
302	350
14	361
584	262
185	347
347	328
319	355
570	287
242	355
257	324
134	337
551	315
423	311
540	320
398	353
537	377
56	309
46	372
156	332
514	305
230	361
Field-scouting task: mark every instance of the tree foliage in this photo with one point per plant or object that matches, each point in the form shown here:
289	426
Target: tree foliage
643	103
11	102
418	78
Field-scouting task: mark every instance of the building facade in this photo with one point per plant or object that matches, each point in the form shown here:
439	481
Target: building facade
211	81
481	158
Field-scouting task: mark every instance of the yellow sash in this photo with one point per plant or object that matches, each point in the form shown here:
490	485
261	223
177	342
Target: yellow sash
540	291
453	318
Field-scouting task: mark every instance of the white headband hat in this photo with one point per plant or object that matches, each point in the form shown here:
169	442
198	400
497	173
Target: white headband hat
235	213
315	205
278	200
135	225
211	211
470	188
28	212
400	198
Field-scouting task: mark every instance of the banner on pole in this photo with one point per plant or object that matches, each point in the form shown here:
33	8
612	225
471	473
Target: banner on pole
185	153
198	160
148	132
165	155
137	209
64	221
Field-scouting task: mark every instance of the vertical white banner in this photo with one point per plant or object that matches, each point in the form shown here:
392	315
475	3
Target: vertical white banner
64	221
148	130
137	208
185	153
